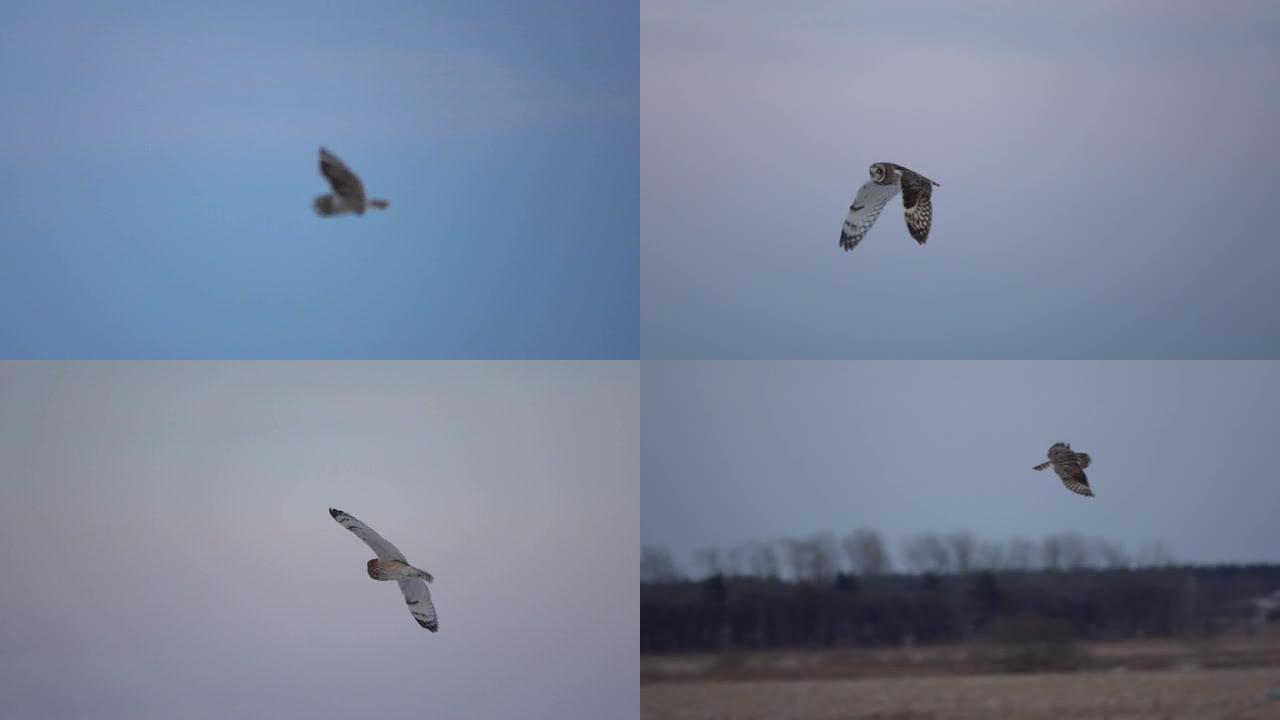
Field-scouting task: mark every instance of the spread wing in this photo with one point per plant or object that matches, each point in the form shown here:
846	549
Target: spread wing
418	597
344	182
1072	475
917	204
866	207
383	549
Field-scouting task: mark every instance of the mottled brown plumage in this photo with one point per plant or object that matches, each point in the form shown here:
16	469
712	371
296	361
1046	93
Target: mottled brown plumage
887	179
1069	466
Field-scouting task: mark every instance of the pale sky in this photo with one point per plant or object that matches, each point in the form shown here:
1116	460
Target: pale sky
1182	452
1106	169
168	552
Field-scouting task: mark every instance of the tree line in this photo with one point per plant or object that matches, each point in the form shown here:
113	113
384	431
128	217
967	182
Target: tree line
827	591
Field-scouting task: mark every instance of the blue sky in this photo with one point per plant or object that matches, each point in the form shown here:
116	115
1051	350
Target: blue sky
738	452
1107	175
169	525
160	162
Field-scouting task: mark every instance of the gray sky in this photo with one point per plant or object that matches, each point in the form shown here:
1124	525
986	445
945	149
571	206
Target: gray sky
166	543
1183	452
1106	167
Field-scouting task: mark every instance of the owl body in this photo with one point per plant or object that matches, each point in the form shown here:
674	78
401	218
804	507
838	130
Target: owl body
1069	466
887	180
395	570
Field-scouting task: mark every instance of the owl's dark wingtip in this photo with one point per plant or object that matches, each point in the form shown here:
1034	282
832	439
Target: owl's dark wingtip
335	513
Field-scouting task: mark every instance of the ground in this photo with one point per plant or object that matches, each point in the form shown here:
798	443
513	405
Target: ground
1232	694
1175	680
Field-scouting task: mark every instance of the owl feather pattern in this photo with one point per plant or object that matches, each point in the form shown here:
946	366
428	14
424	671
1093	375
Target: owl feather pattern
887	180
1069	466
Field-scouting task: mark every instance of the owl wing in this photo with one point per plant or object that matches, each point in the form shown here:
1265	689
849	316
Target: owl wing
418	597
917	204
866	207
1072	475
383	549
341	179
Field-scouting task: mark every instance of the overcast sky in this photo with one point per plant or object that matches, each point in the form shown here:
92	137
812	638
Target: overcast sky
1182	452
168	552
1107	175
161	159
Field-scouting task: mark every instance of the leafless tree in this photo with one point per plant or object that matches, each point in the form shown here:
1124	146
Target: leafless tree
1111	555
708	562
1155	555
764	561
1051	553
657	565
1020	554
866	553
989	556
738	561
962	548
826	556
926	553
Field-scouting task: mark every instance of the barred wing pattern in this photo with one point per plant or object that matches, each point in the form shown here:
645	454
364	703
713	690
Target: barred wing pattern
383	549
917	204
866	207
1069	467
418	597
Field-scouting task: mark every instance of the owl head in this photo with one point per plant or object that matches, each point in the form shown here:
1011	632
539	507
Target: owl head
881	173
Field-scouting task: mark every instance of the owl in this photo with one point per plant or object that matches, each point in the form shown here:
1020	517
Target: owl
1069	465
348	191
390	564
886	181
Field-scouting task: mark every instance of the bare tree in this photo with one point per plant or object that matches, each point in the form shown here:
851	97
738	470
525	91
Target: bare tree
1020	554
1111	555
737	561
826	556
657	565
866	553
926	553
1051	553
764	561
797	552
1155	555
962	548
812	559
708	562
989	556
1076	551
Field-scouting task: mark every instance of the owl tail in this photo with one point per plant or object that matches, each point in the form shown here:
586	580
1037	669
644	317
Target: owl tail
1042	465
379	204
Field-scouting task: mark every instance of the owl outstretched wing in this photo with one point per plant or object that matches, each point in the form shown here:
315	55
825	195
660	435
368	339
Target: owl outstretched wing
1072	476
383	549
866	207
418	597
917	204
344	182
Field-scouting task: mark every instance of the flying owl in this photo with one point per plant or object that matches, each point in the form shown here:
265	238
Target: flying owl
392	565
886	181
1069	465
348	191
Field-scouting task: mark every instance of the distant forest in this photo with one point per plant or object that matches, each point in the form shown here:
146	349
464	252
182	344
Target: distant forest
831	592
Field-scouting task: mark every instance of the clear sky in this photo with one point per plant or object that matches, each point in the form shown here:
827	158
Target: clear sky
161	158
1182	452
1108	174
167	550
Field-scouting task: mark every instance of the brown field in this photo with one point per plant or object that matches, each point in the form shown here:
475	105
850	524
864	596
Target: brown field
1230	694
1223	678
